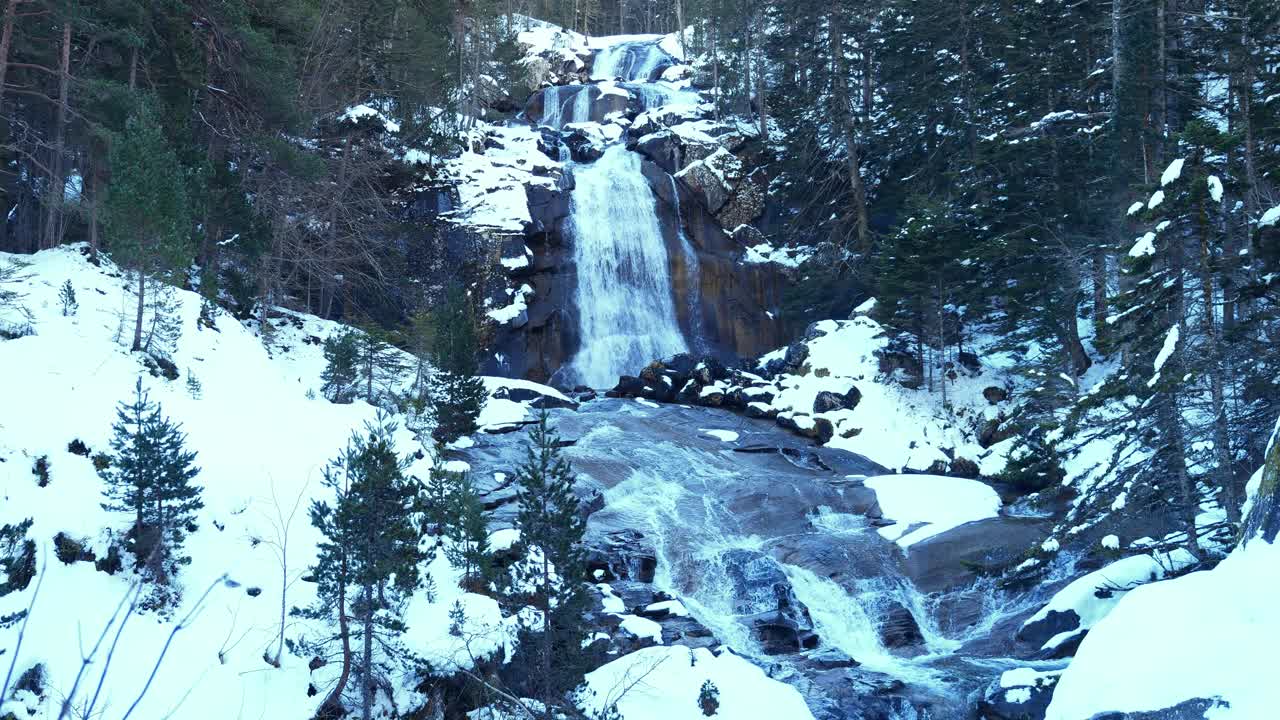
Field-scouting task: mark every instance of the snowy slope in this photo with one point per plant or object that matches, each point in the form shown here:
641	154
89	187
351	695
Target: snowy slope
896	426
260	440
1208	636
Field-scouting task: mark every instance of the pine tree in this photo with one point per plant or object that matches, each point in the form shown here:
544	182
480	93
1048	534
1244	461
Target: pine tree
469	533
369	558
551	531
149	475
17	564
457	394
146	212
379	364
341	355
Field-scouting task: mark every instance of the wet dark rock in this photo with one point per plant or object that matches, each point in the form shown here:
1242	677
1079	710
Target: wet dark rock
628	386
827	401
831	659
1020	702
536	400
963	468
994	431
899	629
995	395
969	361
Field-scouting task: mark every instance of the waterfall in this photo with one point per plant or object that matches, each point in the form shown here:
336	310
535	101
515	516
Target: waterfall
659	94
624	296
566	104
693	275
629	61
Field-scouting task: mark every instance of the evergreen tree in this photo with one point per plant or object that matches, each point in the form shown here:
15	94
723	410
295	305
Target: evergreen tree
149	475
340	375
551	531
146	213
17	564
469	533
379	364
457	393
368	561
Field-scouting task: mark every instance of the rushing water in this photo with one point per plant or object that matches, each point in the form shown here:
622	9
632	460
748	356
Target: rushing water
625	303
566	104
630	61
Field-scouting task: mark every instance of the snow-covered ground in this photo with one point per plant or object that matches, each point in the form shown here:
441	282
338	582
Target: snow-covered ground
924	506
262	433
898	427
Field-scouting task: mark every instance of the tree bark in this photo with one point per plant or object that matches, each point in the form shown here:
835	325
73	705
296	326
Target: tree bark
57	187
366	662
6	42
844	115
142	306
344	632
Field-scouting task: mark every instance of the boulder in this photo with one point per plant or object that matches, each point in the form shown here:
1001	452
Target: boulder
827	401
628	387
995	395
993	432
898	628
963	468
707	186
1018	702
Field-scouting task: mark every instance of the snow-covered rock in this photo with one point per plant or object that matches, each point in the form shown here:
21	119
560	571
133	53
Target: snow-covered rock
663	683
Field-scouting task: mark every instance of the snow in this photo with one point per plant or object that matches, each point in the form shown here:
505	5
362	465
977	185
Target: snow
1215	188
1204	635
501	412
356	113
491	183
258	436
663	682
1111	542
1173	172
898	427
1270	217
942	503
1145	245
1135	208
1156	199
642	628
722	435
764	253
518	308
1118	578
1026	677
671	607
1166	352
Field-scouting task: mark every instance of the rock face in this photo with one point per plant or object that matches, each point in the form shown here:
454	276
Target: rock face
761	590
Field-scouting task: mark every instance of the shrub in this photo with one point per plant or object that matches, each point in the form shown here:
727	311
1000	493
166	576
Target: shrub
709	698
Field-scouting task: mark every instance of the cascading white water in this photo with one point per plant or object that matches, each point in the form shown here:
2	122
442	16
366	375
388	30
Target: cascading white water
660	94
566	104
626	309
629	61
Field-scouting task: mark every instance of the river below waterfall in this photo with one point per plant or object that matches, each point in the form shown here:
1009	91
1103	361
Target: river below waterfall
733	514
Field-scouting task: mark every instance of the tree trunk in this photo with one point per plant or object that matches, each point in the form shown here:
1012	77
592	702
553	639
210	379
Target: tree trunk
844	115
344	631
366	662
57	186
1222	472
680	27
142	305
546	638
6	42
